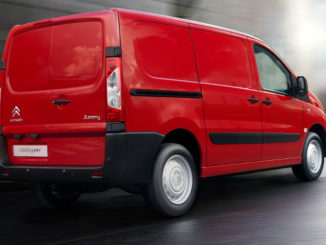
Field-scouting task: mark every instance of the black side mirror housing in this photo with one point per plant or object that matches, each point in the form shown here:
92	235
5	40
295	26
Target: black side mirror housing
302	86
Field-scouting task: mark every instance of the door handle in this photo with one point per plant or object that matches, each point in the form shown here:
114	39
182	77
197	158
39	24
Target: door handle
60	102
253	100
267	102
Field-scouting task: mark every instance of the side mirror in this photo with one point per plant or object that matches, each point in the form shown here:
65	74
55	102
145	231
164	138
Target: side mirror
302	86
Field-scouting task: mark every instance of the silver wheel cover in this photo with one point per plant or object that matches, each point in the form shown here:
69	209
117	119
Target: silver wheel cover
177	179
314	156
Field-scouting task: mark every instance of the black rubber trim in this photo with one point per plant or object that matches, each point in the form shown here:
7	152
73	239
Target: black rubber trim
2	65
252	138
304	98
130	157
165	93
115	127
280	137
4	157
236	138
112	52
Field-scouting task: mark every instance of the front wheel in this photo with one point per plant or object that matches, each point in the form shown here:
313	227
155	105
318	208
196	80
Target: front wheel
174	183
57	196
312	159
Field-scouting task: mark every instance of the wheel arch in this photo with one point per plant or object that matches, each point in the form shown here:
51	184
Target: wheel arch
319	129
187	139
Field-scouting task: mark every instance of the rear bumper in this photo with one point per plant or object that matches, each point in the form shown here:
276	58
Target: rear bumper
129	159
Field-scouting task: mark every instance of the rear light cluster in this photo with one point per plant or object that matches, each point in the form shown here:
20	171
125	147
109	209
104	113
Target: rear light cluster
115	111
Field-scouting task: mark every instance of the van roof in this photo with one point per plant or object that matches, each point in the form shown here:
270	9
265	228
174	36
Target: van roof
177	20
152	16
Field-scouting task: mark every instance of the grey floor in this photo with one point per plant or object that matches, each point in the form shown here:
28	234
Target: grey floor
269	207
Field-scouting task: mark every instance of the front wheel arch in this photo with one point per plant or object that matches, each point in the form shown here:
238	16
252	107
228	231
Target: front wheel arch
312	159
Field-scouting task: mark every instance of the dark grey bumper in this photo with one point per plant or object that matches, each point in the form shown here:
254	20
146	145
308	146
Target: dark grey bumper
129	159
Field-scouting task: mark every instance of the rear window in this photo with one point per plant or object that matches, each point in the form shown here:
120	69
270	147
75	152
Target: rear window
30	59
73	60
76	54
221	59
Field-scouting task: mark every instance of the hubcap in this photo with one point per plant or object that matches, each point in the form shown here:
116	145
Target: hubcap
314	156
177	179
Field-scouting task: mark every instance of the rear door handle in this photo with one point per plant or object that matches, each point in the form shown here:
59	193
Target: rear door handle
267	102
60	102
253	100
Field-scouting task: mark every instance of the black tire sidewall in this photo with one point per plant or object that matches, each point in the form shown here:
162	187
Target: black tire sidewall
310	175
161	201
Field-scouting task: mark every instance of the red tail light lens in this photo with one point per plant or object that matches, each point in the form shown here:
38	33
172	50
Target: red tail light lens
115	111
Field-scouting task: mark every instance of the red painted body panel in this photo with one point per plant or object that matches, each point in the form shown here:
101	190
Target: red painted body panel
284	115
224	74
158	53
64	150
71	67
313	113
165	64
77	74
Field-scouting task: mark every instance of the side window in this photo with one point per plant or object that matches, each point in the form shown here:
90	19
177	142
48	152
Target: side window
273	75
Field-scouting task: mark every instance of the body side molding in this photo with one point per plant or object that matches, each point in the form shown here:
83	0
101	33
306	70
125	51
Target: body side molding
165	93
252	138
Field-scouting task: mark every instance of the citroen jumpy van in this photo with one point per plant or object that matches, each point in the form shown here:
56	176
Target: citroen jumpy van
149	104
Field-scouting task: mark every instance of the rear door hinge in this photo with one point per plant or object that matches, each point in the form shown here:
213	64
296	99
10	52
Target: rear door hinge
112	52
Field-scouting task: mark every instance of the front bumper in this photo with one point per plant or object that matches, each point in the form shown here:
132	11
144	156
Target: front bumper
129	160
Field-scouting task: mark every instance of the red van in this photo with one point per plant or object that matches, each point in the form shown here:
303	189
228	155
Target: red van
149	104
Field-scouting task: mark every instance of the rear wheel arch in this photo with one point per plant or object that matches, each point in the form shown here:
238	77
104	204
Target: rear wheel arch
187	139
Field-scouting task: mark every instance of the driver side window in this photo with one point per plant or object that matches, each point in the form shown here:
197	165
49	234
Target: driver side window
273	75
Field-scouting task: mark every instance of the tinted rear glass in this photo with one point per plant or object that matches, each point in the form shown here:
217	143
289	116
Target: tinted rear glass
75	58
29	60
76	55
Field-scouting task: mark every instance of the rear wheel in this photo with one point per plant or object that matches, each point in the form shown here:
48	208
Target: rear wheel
312	159
57	196
174	183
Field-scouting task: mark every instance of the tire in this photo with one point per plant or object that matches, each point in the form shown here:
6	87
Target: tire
174	183
56	196
312	159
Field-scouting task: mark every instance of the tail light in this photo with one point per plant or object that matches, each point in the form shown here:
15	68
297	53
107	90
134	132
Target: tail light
114	90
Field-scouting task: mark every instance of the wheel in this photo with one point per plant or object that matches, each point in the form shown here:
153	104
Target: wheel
57	196
312	159
173	187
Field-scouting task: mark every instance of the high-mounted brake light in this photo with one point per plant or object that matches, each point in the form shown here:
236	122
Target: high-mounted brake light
114	90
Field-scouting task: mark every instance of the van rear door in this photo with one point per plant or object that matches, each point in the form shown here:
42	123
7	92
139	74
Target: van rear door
25	92
76	104
55	94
